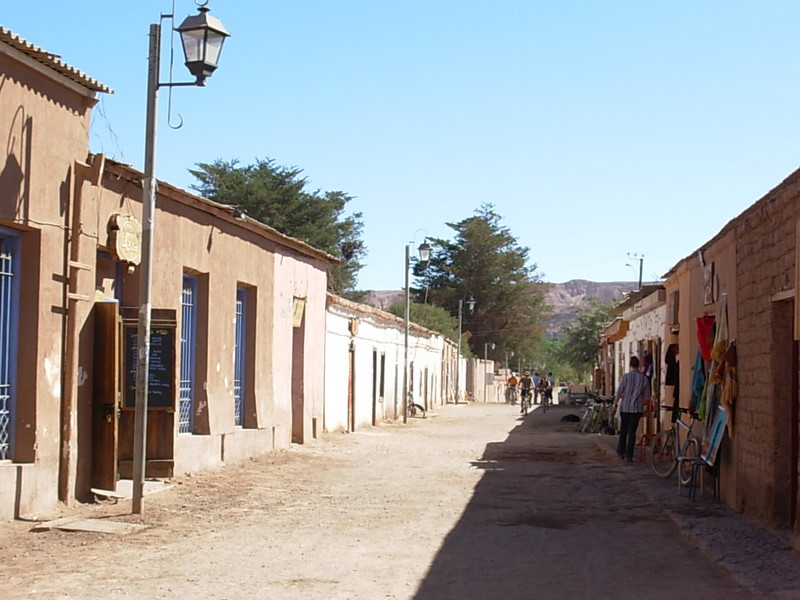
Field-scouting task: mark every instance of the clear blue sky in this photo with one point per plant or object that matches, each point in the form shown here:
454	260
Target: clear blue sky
596	128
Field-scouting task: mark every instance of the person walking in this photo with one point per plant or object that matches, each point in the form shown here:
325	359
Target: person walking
551	384
633	391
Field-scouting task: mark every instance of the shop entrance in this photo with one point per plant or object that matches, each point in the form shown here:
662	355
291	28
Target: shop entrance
297	369
113	398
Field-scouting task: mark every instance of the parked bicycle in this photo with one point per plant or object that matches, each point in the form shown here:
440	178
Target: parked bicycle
414	409
598	417
669	451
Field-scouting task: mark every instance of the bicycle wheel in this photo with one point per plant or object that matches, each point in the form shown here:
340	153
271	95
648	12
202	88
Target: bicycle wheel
691	450
594	425
662	454
587	418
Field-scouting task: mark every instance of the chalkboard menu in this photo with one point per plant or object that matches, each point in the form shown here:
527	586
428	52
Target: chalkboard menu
161	381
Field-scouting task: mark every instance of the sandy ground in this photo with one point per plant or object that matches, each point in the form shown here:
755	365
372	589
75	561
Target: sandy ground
474	502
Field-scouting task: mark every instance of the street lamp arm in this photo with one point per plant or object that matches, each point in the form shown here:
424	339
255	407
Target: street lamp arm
180	84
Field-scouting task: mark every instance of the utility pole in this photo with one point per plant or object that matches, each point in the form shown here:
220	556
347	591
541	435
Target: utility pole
640	258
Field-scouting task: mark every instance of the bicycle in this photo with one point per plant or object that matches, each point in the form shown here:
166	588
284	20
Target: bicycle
668	451
547	398
525	403
413	408
598	416
511	395
587	417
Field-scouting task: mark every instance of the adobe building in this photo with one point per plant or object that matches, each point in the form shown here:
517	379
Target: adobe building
237	344
642	311
45	107
364	364
740	290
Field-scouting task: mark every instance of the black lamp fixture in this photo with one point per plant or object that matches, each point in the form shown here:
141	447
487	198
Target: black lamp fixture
424	252
202	36
471	304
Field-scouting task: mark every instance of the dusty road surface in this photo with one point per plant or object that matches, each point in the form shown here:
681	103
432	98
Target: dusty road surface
474	502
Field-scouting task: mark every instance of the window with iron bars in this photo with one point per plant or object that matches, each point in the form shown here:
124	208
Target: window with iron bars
188	340
239	356
9	306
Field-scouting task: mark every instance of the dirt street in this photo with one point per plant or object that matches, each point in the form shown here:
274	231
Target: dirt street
471	503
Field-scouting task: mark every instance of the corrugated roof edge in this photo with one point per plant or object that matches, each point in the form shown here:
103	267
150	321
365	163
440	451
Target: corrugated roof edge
52	61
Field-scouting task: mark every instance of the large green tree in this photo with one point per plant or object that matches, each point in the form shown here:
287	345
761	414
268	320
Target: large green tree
277	196
582	336
485	262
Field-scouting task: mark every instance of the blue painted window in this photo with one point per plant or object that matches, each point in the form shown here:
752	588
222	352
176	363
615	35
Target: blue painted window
188	340
9	307
239	356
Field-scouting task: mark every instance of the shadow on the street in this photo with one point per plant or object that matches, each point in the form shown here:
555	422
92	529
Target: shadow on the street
488	553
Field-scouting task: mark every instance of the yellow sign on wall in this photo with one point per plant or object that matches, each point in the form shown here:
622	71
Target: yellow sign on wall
297	313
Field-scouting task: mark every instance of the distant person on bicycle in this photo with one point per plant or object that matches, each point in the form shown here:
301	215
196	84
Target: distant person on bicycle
551	383
545	390
526	383
511	388
633	391
537	386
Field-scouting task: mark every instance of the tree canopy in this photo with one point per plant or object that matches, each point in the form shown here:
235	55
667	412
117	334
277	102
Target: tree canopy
581	338
485	262
277	196
435	318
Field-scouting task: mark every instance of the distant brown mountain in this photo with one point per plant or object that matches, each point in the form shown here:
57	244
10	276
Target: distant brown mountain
383	299
564	299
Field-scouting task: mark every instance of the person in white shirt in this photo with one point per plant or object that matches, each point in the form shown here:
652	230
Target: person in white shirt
633	391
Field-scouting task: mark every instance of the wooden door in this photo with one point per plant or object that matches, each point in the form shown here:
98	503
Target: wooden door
105	396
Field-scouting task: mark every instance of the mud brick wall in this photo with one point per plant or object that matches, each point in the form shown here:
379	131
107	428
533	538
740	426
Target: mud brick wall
763	416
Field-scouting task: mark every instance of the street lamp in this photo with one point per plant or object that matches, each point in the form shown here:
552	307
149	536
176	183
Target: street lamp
202	37
470	307
485	365
424	256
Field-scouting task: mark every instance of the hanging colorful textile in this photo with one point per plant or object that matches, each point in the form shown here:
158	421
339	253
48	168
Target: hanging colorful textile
720	346
730	386
717	368
698	382
705	335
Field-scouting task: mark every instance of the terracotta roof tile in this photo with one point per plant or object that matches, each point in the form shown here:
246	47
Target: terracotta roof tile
53	61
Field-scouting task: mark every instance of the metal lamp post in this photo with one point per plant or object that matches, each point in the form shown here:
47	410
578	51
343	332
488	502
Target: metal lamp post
202	36
470	307
424	256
